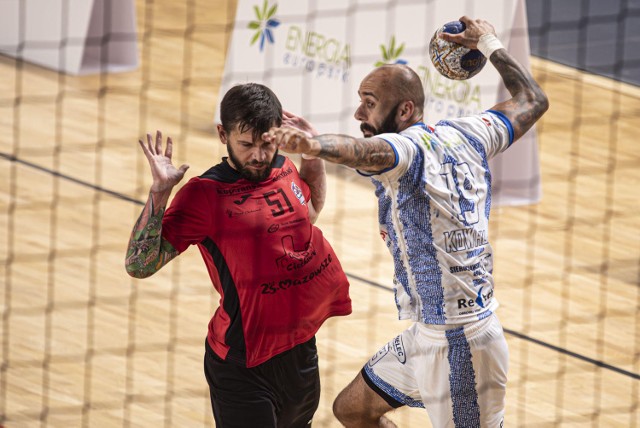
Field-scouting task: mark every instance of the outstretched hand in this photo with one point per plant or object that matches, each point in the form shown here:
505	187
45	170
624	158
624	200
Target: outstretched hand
470	36
292	140
165	175
290	120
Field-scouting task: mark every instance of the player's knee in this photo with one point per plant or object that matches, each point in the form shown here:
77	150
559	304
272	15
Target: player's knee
350	414
339	409
344	411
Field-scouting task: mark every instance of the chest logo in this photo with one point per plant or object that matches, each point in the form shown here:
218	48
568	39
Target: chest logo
298	192
273	228
295	258
242	199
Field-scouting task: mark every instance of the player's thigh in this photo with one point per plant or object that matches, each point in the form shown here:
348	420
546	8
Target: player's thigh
358	398
491	364
235	412
240	397
298	378
387	381
463	378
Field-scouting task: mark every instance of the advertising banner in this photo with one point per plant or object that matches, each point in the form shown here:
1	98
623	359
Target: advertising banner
313	55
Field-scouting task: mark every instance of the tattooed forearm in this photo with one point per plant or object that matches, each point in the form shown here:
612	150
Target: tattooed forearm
147	251
368	154
529	102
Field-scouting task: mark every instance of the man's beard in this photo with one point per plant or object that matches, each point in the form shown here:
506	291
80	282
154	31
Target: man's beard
249	174
388	124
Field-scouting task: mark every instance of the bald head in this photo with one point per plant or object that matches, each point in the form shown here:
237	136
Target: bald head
391	100
402	83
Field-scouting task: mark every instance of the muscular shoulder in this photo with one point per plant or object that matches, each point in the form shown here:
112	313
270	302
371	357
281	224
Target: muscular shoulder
489	132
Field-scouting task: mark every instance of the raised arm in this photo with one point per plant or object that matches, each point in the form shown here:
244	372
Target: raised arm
313	173
366	154
312	169
147	251
528	102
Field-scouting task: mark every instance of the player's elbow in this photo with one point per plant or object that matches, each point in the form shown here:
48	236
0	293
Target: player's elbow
135	271
541	100
314	213
535	103
538	100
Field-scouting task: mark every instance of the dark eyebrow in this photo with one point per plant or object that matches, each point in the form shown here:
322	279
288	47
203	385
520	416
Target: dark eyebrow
367	94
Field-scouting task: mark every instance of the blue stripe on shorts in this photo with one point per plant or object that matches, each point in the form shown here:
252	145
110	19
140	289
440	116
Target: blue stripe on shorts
390	390
462	380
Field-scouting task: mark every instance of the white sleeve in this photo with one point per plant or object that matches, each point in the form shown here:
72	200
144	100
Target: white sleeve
491	128
405	151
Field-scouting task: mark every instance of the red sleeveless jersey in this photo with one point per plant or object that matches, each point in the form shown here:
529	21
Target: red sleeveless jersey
277	276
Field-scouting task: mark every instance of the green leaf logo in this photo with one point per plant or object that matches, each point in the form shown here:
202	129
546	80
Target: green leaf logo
264	24
391	55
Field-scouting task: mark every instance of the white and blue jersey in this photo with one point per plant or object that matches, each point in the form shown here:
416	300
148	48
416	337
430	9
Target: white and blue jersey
434	208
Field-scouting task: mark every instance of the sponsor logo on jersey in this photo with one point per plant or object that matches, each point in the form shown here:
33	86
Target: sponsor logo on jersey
479	281
480	269
398	349
295	258
481	300
242	199
464	239
298	192
475	253
431	142
384	234
458	269
395	347
379	355
232	214
283	174
272	287
236	190
273	228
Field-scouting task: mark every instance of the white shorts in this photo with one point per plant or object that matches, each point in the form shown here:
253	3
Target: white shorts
458	375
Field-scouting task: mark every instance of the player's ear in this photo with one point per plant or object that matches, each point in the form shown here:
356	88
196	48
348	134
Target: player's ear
222	133
406	110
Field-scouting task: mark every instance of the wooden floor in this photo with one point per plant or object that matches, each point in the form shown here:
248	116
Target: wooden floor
85	345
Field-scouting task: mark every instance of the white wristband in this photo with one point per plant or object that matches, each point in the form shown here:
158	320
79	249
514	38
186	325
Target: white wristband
488	44
308	157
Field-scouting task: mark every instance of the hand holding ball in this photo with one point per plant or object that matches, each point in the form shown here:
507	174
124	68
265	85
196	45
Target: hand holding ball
453	60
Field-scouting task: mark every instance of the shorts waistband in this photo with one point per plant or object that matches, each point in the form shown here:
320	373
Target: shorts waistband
438	331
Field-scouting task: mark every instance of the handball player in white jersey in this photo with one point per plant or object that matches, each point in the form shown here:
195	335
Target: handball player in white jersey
434	196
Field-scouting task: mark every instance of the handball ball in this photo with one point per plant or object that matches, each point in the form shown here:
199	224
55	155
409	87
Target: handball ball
451	59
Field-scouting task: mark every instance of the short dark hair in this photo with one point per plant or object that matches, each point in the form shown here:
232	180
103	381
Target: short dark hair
250	106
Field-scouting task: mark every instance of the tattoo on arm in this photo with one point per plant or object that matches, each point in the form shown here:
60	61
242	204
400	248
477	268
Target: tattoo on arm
148	251
529	102
367	154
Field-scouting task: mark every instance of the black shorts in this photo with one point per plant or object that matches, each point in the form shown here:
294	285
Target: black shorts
282	392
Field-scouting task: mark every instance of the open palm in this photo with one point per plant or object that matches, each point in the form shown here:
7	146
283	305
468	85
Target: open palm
298	122
164	174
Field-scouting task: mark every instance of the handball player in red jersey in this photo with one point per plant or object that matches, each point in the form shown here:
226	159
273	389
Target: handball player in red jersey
251	216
